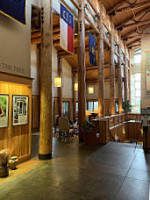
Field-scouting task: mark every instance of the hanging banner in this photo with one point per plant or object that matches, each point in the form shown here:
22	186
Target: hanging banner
66	29
92	49
14	9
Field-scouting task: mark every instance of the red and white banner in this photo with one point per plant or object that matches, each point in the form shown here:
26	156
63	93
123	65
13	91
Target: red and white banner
66	29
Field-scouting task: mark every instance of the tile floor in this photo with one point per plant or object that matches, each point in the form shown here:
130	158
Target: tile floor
112	172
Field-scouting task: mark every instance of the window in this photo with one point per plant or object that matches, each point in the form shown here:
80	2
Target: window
137	56
92	105
66	108
136	92
96	105
76	109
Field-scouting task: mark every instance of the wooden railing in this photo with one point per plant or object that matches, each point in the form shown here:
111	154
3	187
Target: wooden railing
119	128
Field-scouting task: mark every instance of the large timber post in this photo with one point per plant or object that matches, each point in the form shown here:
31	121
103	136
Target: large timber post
46	111
60	88
126	78
101	103
81	68
119	82
112	75
73	96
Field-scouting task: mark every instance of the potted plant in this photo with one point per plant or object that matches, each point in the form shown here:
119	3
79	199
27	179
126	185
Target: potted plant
4	158
126	105
89	133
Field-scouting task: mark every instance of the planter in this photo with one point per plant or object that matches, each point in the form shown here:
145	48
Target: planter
13	162
90	137
4	171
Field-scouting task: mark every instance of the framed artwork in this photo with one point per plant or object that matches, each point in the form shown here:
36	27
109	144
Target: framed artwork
19	110
4	110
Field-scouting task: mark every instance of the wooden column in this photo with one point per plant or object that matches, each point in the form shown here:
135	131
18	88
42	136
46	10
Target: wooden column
60	88
112	75
126	78
46	115
101	102
81	68
119	82
73	96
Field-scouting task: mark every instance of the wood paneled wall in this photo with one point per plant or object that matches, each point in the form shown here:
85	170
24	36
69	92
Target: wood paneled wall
18	138
35	113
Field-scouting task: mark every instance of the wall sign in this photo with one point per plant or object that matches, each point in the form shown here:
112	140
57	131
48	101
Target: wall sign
20	110
4	107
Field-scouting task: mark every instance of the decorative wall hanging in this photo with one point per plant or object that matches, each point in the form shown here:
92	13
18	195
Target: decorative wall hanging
20	110
4	108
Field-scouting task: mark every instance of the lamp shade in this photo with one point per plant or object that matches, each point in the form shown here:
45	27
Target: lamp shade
57	82
88	112
90	90
76	86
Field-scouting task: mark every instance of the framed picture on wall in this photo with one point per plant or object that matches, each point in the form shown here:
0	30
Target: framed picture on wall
4	110
19	110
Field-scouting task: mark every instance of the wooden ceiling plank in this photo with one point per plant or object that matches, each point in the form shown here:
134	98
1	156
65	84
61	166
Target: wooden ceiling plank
132	18
115	7
137	23
134	41
137	5
135	30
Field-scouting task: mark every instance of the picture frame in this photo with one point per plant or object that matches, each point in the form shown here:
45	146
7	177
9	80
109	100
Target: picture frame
20	109
4	110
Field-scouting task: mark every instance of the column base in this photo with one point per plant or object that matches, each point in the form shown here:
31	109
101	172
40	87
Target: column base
45	156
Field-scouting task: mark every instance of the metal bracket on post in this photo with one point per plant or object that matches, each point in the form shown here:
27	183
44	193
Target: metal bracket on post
42	15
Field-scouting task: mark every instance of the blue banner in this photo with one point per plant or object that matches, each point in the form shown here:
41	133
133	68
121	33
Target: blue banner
66	15
14	9
92	49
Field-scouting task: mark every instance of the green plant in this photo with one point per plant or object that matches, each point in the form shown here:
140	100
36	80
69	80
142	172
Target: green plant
88	126
126	105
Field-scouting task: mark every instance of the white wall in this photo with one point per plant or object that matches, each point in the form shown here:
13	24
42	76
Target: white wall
67	79
106	91
35	69
66	74
15	42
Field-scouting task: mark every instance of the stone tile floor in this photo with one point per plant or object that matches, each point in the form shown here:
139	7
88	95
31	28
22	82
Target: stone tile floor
112	172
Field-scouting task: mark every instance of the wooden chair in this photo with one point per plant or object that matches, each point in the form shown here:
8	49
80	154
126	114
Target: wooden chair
63	126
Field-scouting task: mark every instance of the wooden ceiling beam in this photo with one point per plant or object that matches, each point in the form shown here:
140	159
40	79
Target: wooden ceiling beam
135	30
139	35
93	7
90	67
137	5
133	42
137	23
115	7
132	18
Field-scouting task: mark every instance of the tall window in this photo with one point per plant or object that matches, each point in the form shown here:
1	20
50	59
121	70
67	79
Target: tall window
66	108
136	92
137	56
92	105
